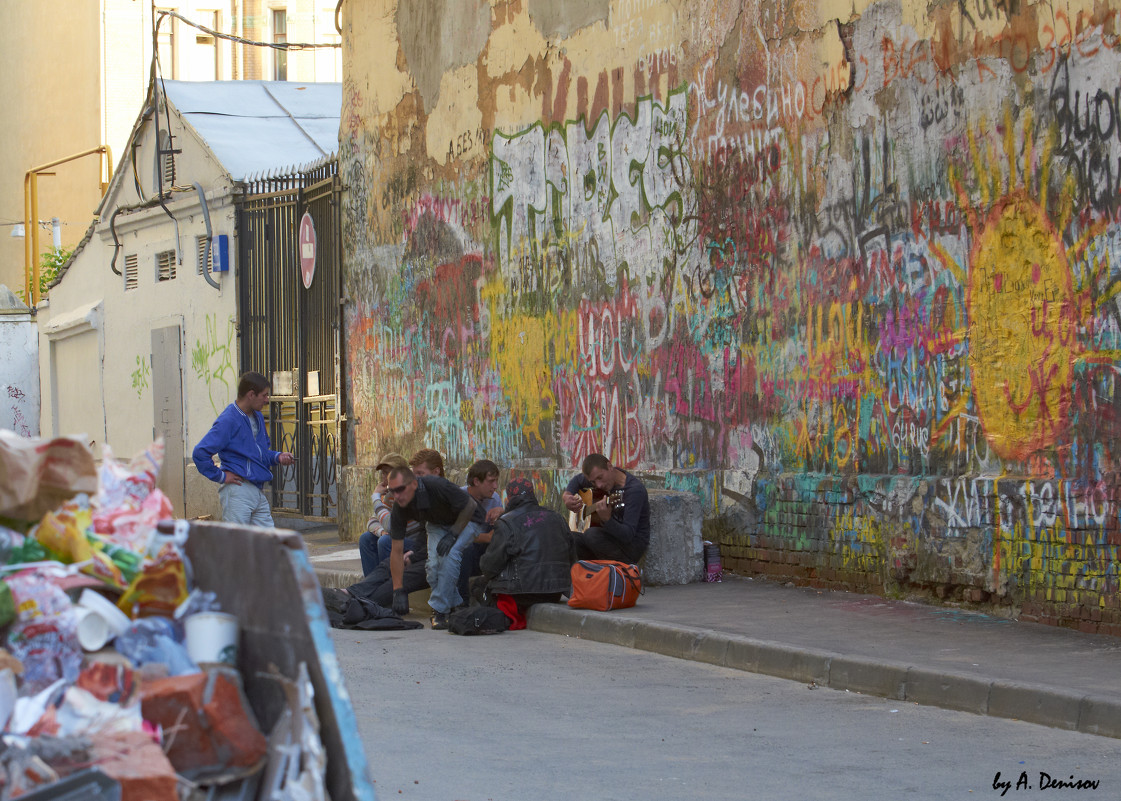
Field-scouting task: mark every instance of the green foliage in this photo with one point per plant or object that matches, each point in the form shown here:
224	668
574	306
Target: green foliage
49	265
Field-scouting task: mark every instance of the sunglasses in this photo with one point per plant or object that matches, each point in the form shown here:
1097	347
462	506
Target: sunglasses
395	490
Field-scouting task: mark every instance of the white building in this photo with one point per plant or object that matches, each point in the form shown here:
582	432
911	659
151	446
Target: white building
76	71
19	366
140	335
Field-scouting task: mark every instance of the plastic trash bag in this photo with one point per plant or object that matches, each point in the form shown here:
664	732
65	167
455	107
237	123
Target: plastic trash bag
156	640
45	635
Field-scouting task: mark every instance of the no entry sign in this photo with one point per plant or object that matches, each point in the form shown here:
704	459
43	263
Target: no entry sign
307	250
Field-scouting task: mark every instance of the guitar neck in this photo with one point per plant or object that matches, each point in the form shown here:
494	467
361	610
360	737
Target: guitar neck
614	500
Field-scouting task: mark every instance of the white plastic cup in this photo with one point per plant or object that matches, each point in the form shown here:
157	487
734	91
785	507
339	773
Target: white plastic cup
117	620
212	638
93	631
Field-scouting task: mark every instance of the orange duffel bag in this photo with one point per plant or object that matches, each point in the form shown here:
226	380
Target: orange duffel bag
604	585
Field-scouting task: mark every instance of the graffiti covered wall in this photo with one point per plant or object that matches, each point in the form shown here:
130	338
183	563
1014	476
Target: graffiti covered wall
848	272
19	366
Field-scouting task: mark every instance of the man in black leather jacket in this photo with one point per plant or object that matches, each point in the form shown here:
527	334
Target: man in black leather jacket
531	553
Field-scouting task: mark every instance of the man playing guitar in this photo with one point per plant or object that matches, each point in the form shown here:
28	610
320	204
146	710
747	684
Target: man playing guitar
620	519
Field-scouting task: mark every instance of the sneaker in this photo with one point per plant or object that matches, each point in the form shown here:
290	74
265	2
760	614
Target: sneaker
439	621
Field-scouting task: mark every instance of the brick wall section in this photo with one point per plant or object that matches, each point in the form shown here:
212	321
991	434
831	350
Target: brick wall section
830	533
826	533
256	27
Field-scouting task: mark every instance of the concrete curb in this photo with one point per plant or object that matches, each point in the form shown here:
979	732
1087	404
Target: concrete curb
1033	703
340	579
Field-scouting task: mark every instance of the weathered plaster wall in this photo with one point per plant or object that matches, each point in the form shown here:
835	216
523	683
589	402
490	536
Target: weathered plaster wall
847	271
19	367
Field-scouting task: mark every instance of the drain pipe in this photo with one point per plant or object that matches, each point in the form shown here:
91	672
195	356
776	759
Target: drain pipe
209	238
116	240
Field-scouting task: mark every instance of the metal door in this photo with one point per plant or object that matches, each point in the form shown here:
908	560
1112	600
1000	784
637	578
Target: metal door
167	395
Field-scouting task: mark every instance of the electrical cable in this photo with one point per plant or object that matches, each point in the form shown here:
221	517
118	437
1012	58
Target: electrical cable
240	40
157	83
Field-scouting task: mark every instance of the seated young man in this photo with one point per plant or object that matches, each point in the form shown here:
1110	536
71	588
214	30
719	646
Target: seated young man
373	545
620	518
377	583
531	552
482	485
446	512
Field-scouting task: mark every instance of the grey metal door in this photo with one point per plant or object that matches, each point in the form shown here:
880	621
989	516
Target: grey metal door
167	394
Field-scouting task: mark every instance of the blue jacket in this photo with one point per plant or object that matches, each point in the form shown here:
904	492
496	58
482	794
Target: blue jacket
232	439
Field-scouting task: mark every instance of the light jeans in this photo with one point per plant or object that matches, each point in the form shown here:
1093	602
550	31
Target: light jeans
244	503
443	571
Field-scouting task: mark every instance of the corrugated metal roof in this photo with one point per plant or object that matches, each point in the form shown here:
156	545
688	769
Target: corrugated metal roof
258	126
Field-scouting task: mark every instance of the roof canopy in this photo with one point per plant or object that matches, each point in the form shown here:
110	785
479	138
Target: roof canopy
258	126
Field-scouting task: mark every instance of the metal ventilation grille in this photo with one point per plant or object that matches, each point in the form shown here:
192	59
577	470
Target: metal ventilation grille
132	272
165	265
204	263
167	159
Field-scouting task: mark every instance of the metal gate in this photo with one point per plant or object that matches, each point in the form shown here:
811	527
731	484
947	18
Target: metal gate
293	333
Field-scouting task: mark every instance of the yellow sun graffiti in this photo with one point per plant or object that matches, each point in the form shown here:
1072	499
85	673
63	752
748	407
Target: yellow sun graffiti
1021	313
1024	307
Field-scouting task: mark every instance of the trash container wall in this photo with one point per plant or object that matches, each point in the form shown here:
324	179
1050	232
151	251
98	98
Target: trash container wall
263	576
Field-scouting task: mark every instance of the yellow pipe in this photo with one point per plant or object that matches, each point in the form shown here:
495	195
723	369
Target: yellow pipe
26	238
31	211
34	237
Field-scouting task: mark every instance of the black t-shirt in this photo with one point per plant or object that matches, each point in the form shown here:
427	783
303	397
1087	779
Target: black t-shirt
436	500
629	523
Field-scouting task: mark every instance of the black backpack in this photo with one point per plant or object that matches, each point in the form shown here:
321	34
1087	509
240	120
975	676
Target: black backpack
478	620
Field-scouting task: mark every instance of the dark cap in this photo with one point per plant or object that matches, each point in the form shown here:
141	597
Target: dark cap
520	488
391	461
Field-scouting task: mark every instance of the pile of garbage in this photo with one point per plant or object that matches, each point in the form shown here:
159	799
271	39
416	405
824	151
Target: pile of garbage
118	677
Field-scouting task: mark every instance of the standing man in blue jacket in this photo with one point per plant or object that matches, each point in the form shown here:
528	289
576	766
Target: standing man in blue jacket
239	438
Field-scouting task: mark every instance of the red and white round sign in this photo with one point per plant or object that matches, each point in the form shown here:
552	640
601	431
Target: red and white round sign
307	249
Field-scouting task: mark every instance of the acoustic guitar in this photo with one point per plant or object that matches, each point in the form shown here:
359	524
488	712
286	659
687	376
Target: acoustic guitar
580	521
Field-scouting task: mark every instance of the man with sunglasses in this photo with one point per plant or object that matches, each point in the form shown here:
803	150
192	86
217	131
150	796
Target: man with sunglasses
377	583
446	511
375	543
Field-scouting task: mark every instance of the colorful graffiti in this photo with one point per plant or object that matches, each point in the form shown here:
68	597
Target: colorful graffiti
868	311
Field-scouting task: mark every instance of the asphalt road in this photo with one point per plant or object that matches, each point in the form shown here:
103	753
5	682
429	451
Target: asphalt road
524	716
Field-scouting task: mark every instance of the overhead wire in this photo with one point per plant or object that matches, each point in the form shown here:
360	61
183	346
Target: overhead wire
241	40
157	75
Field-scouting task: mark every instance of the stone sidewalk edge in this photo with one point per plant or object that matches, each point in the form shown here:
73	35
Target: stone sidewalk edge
339	579
1034	703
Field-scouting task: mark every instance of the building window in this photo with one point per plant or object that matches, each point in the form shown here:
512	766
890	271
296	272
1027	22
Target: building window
132	272
165	46
280	36
165	265
209	63
205	260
